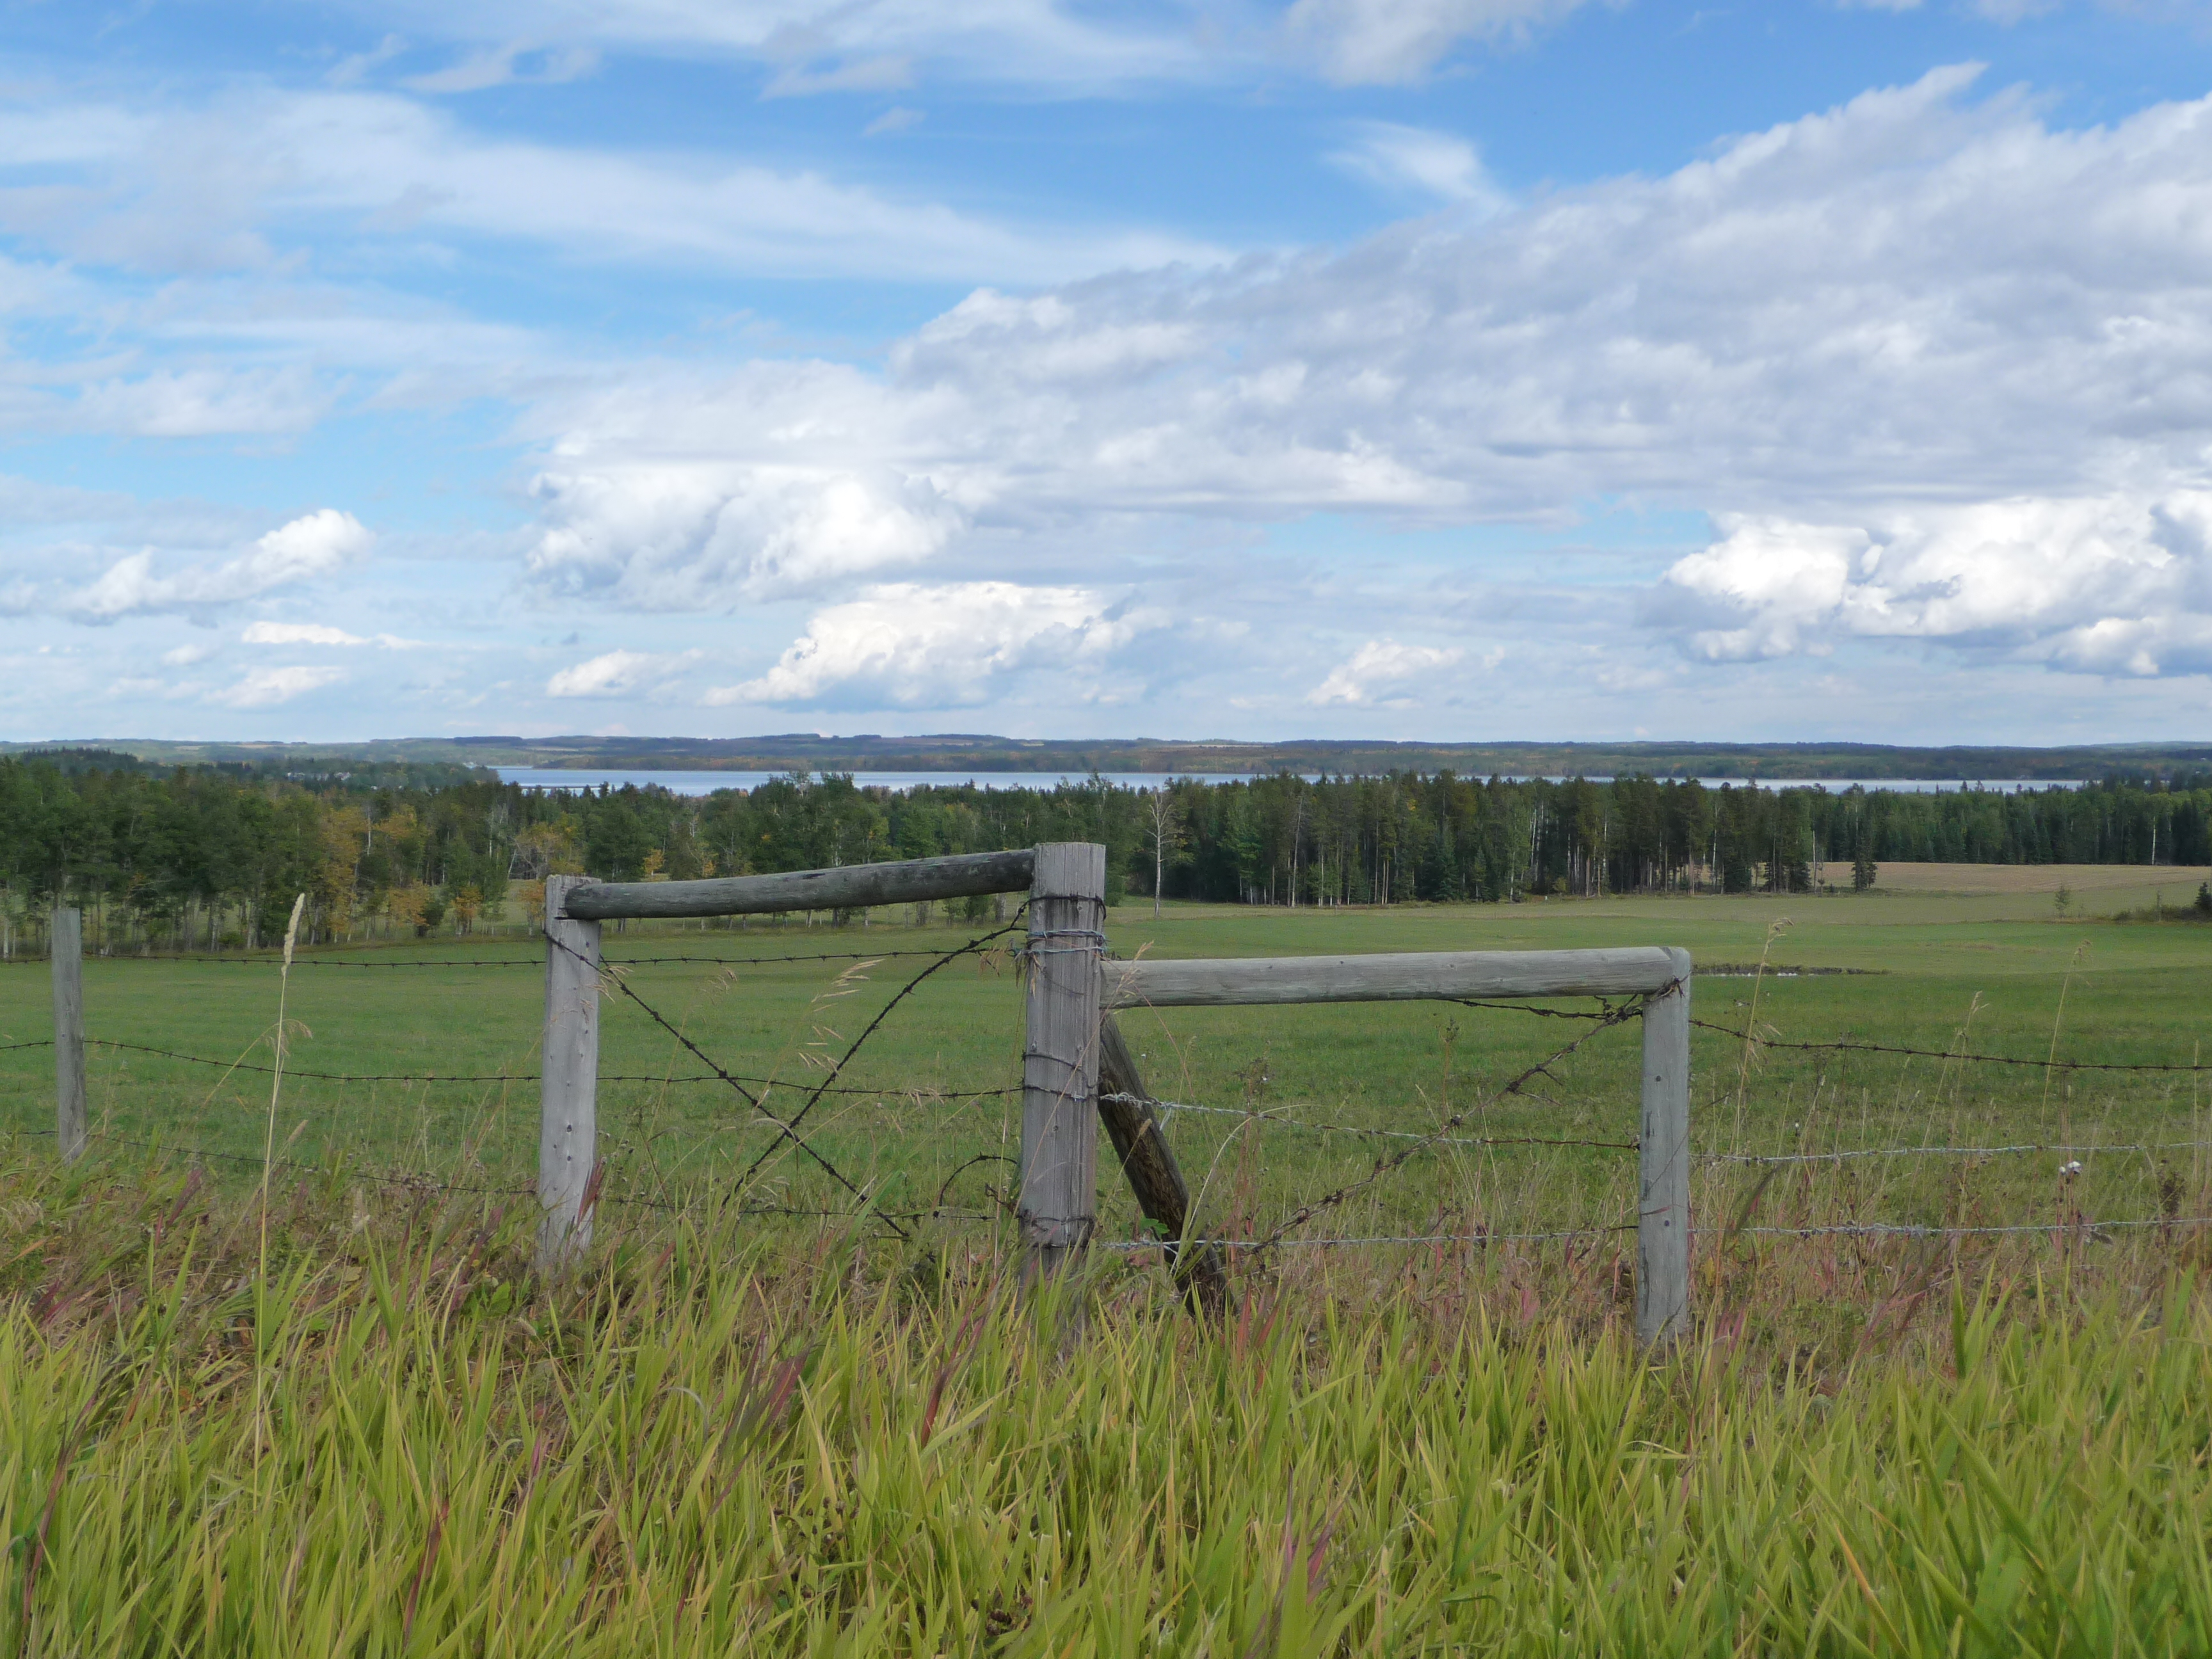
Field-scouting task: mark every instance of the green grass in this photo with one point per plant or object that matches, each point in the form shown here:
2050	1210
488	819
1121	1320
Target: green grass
785	1435
396	1442
2132	994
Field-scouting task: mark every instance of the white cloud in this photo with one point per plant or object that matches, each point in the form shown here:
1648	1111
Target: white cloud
897	119
359	65
209	189
2107	585
1381	666
185	656
499	66
886	73
269	633
315	544
264	687
1371	41
614	674
204	403
675	535
272	633
1022	42
1905	307
905	645
1441	165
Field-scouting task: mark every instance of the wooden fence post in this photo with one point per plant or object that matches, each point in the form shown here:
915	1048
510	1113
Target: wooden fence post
568	1128
1058	1202
1125	1107
1662	1219
67	933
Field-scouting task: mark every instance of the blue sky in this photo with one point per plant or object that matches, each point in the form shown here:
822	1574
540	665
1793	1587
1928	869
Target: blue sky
1410	368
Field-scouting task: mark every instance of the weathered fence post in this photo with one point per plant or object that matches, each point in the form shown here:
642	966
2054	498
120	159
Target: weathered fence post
568	1129
1663	1219
1125	1107
67	933
1058	1202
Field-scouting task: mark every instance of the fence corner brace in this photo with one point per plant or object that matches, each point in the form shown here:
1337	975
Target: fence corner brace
568	1126
1058	1204
1663	1209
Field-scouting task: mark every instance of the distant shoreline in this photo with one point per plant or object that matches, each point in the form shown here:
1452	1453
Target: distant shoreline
954	755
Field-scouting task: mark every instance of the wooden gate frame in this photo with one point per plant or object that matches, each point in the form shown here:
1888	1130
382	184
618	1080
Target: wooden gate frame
1072	1042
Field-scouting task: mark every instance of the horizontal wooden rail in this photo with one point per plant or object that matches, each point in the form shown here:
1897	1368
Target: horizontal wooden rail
850	887
1403	977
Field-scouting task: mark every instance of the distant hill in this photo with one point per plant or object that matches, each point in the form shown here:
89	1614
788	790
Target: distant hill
958	753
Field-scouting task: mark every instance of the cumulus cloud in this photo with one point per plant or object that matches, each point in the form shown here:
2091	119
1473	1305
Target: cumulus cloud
908	646
1380	671
1909	306
2105	585
315	544
614	674
264	687
683	535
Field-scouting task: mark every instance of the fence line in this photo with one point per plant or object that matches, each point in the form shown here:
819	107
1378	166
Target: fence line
1168	1108
1952	1151
513	1077
432	1183
1905	1230
1257	1244
1852	1045
276	960
1398	1160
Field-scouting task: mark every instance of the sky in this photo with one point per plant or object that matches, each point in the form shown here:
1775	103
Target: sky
1422	369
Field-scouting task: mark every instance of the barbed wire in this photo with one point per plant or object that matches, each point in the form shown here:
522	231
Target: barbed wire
1952	1151
276	960
788	1129
1168	1108
1852	1045
426	1182
751	1099
903	991
1907	1230
1605	1012
34	1042
1233	1244
1398	1160
516	1076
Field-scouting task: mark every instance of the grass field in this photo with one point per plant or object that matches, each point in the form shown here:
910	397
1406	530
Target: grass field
1981	957
380	1434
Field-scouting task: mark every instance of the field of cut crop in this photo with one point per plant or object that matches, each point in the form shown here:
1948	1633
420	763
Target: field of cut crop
757	1420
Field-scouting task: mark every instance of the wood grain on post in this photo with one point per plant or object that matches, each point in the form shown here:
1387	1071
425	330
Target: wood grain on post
1058	1201
1125	1107
1403	976
66	933
568	1129
1662	1210
849	887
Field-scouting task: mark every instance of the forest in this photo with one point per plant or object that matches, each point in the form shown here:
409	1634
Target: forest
210	857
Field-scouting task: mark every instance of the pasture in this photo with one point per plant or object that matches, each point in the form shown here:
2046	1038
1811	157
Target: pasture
757	1420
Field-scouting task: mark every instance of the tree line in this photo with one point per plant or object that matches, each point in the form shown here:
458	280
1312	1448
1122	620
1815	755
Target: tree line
211	858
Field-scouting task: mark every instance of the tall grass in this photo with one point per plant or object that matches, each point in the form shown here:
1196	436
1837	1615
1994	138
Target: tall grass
711	1442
